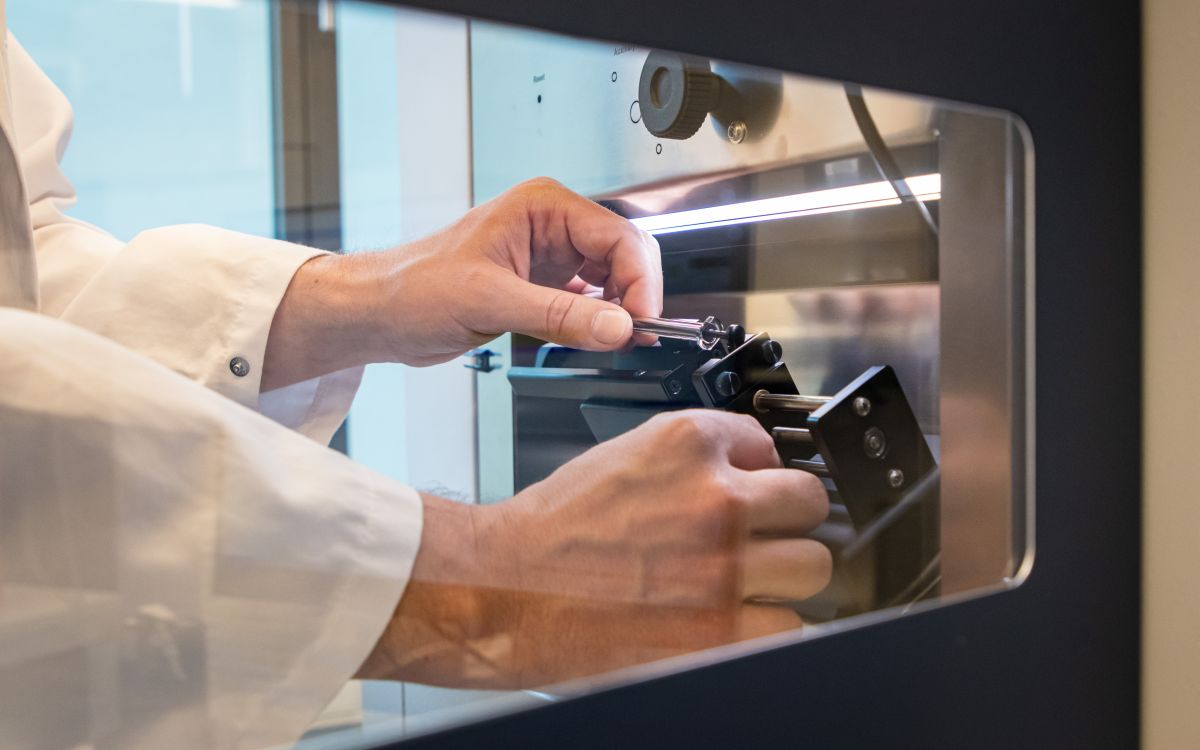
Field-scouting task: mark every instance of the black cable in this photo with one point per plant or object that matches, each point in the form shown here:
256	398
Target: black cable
882	155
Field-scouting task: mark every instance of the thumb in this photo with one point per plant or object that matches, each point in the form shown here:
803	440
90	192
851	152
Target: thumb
567	318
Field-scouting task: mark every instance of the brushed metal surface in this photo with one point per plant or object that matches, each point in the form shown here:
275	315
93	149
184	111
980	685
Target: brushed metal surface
546	104
983	359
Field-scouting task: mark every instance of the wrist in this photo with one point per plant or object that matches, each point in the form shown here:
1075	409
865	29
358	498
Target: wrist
353	291
325	322
457	607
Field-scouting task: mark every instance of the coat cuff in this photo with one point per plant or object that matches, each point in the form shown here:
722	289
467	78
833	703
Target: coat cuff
201	300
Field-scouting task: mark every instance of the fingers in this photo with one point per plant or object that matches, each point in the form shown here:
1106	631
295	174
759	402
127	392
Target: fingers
785	569
579	286
758	620
571	318
776	500
747	445
616	255
711	434
783	501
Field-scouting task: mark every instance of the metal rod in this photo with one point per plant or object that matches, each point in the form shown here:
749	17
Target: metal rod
681	329
765	401
812	467
706	333
791	435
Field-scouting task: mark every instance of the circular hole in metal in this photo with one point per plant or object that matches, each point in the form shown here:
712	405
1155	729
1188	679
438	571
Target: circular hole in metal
875	443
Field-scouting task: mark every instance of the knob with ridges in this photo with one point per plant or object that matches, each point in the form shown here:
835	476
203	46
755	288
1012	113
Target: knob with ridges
676	92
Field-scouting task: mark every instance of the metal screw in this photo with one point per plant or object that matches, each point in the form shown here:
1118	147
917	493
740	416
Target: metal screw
772	351
736	131
895	477
239	366
862	406
728	383
674	387
874	443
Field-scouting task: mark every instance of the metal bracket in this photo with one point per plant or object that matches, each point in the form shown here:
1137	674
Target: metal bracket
481	360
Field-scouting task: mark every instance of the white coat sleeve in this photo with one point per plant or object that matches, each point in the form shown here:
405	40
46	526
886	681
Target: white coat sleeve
190	297
175	570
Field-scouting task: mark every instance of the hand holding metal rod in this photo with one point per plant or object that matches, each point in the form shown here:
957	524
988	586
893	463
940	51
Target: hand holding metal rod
705	333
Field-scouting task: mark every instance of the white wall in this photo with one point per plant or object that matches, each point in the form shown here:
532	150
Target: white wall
1171	536
405	149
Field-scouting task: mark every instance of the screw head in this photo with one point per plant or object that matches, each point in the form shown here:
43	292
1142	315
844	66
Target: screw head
862	406
728	383
674	387
737	131
895	478
772	351
874	443
239	367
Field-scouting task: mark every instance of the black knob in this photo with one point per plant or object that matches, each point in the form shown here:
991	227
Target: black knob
676	93
728	384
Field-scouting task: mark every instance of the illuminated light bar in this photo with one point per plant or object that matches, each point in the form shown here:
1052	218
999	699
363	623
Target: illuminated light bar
927	187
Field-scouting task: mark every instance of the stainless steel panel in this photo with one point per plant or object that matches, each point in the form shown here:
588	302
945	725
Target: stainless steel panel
983	363
552	105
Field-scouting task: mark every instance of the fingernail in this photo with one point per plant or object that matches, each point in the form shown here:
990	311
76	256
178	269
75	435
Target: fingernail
610	326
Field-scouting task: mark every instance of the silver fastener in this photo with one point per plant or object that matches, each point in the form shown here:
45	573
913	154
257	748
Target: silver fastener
874	443
736	131
239	366
862	406
895	477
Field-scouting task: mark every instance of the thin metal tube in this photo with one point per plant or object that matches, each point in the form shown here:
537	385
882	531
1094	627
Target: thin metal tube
791	435
706	333
766	401
681	329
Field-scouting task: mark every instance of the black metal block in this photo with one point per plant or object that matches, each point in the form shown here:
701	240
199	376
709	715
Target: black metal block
874	453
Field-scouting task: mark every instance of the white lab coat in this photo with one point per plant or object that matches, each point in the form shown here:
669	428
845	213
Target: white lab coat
176	568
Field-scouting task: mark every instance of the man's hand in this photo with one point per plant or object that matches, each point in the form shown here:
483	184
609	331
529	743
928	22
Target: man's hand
676	536
538	260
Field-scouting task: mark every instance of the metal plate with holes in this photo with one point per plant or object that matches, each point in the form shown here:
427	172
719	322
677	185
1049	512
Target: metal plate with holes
871	443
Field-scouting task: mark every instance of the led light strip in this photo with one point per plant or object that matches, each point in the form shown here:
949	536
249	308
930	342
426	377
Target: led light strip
927	187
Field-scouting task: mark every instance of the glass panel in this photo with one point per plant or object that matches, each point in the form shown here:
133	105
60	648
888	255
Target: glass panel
830	429
186	92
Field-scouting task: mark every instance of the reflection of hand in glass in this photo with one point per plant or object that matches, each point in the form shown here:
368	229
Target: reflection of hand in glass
538	260
673	537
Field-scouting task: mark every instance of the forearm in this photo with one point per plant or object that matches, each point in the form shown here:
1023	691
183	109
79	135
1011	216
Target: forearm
328	320
440	631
